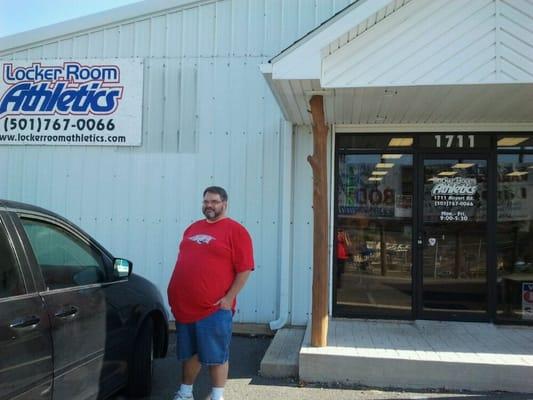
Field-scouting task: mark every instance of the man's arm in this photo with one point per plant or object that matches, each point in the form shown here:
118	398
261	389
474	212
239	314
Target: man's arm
227	301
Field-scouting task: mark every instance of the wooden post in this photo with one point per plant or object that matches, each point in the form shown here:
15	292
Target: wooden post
318	161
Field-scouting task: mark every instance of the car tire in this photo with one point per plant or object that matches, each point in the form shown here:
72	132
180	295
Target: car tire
140	368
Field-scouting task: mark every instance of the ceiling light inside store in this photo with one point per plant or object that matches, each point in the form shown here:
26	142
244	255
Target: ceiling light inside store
463	165
375	178
517	173
379	173
447	173
391	156
511	141
401	142
433	179
384	165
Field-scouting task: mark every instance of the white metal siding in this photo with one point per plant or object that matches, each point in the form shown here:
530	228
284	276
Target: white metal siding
302	226
302	243
439	42
208	118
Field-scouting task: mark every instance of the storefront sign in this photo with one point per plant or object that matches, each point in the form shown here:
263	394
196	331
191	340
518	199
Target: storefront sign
71	102
527	300
454	197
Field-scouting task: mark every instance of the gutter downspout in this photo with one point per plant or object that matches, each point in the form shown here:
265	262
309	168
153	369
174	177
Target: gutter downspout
285	237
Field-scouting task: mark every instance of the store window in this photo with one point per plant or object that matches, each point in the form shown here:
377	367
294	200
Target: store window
515	228
374	226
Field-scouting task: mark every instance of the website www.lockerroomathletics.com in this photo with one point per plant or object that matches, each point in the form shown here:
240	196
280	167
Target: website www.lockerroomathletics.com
77	138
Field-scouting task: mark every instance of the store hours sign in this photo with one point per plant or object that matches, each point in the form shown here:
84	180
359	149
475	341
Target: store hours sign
455	198
71	102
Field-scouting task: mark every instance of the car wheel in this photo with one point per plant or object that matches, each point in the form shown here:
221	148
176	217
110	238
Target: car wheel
140	368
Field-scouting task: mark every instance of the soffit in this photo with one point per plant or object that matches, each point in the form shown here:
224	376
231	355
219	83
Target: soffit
440	104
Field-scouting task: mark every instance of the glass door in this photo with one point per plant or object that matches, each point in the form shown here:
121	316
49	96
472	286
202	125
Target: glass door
453	237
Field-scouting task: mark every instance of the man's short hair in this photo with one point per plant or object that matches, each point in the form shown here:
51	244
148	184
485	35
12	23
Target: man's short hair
217	190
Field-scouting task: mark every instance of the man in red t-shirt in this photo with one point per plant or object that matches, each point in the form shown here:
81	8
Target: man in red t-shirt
214	262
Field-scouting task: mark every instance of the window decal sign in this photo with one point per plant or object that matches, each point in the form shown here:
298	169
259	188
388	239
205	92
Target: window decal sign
71	102
454	197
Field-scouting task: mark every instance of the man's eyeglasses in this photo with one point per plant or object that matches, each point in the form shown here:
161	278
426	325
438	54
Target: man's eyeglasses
211	203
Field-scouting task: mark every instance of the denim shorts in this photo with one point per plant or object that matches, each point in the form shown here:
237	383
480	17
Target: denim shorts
209	338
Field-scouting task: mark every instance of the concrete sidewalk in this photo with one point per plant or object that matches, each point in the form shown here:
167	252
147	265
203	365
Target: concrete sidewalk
422	354
245	383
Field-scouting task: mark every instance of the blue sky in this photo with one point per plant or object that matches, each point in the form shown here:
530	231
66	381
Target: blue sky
22	15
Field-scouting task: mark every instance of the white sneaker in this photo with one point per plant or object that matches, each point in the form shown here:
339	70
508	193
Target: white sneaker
178	396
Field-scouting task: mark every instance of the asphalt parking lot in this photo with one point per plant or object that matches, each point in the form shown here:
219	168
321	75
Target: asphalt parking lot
245	383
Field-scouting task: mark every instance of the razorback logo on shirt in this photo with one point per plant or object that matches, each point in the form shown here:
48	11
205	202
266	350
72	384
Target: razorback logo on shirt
202	239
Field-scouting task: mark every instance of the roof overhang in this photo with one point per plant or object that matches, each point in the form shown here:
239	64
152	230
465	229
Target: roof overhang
303	60
401	62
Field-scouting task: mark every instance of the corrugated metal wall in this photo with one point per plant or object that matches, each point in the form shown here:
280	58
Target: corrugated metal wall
209	118
302	256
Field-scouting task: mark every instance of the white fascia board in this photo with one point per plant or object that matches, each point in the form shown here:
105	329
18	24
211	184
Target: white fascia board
411	84
304	60
265	68
135	10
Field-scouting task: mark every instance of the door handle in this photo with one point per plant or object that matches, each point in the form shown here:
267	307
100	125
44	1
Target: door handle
65	312
25	322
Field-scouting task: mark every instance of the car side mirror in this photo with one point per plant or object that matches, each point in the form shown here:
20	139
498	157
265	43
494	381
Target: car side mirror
122	267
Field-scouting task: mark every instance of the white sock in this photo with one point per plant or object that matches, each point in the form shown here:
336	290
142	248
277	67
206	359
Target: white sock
186	390
217	393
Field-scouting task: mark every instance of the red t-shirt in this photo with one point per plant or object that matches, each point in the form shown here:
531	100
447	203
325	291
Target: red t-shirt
210	255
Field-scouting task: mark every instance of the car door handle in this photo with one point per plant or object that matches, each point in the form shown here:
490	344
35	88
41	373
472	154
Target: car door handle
25	322
65	312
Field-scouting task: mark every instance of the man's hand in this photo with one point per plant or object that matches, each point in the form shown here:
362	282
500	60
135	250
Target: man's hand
225	303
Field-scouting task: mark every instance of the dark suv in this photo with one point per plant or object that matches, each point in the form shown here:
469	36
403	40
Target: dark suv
74	322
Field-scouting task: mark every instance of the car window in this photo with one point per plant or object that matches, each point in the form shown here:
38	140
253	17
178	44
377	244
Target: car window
65	260
10	279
